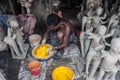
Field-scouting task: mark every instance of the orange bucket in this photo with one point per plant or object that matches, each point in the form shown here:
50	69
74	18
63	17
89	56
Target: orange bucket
34	67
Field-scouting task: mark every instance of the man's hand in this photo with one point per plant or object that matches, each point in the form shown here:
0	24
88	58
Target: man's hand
49	49
43	41
54	48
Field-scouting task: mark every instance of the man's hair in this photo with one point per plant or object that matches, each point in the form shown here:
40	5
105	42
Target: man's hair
52	19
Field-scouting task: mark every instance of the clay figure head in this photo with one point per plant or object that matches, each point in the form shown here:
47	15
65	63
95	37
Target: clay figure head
30	0
115	45
99	11
22	2
13	23
102	30
27	5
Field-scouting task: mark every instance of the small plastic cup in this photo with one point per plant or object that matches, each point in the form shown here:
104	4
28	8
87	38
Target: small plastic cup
34	67
34	40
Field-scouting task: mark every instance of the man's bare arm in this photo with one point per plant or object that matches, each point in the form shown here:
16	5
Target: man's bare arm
65	40
45	36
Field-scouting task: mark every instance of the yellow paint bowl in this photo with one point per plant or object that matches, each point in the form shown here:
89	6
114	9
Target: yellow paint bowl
40	52
62	73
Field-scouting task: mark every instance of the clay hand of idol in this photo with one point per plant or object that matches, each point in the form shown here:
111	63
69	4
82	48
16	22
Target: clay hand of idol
49	50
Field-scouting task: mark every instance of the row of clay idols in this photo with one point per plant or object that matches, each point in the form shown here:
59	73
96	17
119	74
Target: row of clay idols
93	42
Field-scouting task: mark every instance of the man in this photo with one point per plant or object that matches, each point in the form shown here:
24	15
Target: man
60	32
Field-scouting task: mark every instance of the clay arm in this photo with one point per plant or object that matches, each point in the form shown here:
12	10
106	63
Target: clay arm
21	28
84	21
103	16
91	35
118	62
99	47
106	42
103	22
110	34
14	36
9	32
102	55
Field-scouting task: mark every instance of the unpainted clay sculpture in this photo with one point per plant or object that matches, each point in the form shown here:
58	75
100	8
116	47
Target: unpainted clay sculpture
98	43
90	22
94	3
97	19
22	2
27	6
15	40
30	0
3	45
114	20
86	27
109	64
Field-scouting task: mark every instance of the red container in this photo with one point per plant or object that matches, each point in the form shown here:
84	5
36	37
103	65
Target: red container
34	67
78	32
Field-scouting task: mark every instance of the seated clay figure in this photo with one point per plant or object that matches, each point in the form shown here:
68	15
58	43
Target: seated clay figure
15	40
98	43
109	65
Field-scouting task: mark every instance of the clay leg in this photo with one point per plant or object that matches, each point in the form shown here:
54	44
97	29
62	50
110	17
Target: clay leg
101	74
87	46
107	76
96	64
89	58
84	21
11	42
82	44
109	25
114	72
116	33
21	47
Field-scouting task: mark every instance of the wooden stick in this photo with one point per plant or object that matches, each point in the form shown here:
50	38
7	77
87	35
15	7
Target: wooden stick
11	7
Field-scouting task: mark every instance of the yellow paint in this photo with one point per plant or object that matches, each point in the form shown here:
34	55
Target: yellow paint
62	73
41	51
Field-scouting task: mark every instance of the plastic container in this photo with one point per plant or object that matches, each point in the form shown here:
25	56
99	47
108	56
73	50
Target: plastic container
34	40
34	68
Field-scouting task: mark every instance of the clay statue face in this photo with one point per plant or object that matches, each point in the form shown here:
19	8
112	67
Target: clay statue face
99	11
30	0
91	5
115	45
22	2
27	5
13	23
102	30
